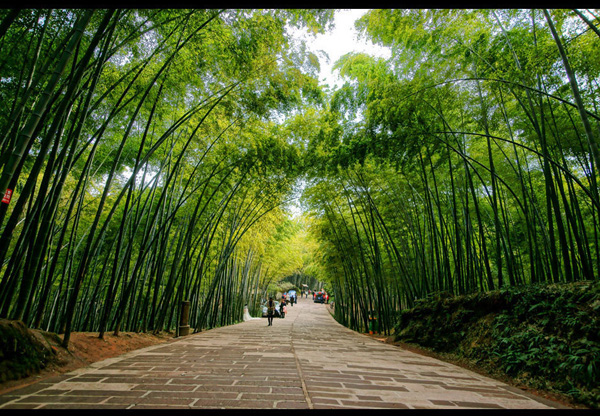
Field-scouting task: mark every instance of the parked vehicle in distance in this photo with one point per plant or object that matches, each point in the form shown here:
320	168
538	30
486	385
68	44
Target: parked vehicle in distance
291	293
276	314
319	297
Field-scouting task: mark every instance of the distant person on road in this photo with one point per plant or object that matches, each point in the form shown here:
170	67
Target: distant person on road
282	308
292	300
326	297
270	311
313	293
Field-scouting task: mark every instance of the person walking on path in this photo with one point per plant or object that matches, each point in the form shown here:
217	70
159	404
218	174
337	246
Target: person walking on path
270	311
282	309
292	300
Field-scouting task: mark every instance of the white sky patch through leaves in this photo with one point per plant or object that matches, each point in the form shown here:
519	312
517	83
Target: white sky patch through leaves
341	40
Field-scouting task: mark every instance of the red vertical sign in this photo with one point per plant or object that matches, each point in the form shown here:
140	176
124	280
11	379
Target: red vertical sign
7	196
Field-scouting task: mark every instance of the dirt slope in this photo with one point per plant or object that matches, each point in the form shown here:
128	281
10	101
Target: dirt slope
28	356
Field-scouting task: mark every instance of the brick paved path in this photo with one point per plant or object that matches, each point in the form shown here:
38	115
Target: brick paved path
306	360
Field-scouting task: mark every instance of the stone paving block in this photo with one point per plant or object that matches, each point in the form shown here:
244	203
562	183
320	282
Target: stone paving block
327	406
272	396
373	404
329	376
443	403
478	405
125	378
61	399
477	389
139	380
453	377
94	386
324	391
21	406
367	373
267	383
378	378
27	390
322	400
214	382
7	398
149	401
247	389
330	395
164	387
193	395
87	379
360	397
424	363
373	387
54	380
100	406
414	381
287	390
508	396
253	377
367	367
157	407
105	393
189	381
286	404
322	384
158	358
230	404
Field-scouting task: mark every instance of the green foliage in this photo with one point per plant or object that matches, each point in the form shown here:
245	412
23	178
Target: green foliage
460	164
544	336
171	130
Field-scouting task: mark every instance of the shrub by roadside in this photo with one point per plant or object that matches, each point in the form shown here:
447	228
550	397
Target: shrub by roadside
542	336
22	352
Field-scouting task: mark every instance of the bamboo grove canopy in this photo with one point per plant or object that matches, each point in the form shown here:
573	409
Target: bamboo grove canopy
149	157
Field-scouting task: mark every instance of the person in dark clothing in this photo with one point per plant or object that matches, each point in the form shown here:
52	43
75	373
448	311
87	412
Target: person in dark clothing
282	309
270	311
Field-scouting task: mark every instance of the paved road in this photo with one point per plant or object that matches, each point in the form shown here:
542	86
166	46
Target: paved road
306	360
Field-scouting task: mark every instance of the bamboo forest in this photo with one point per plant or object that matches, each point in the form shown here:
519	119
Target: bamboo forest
152	156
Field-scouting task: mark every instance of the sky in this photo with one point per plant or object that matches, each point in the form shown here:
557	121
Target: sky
341	40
